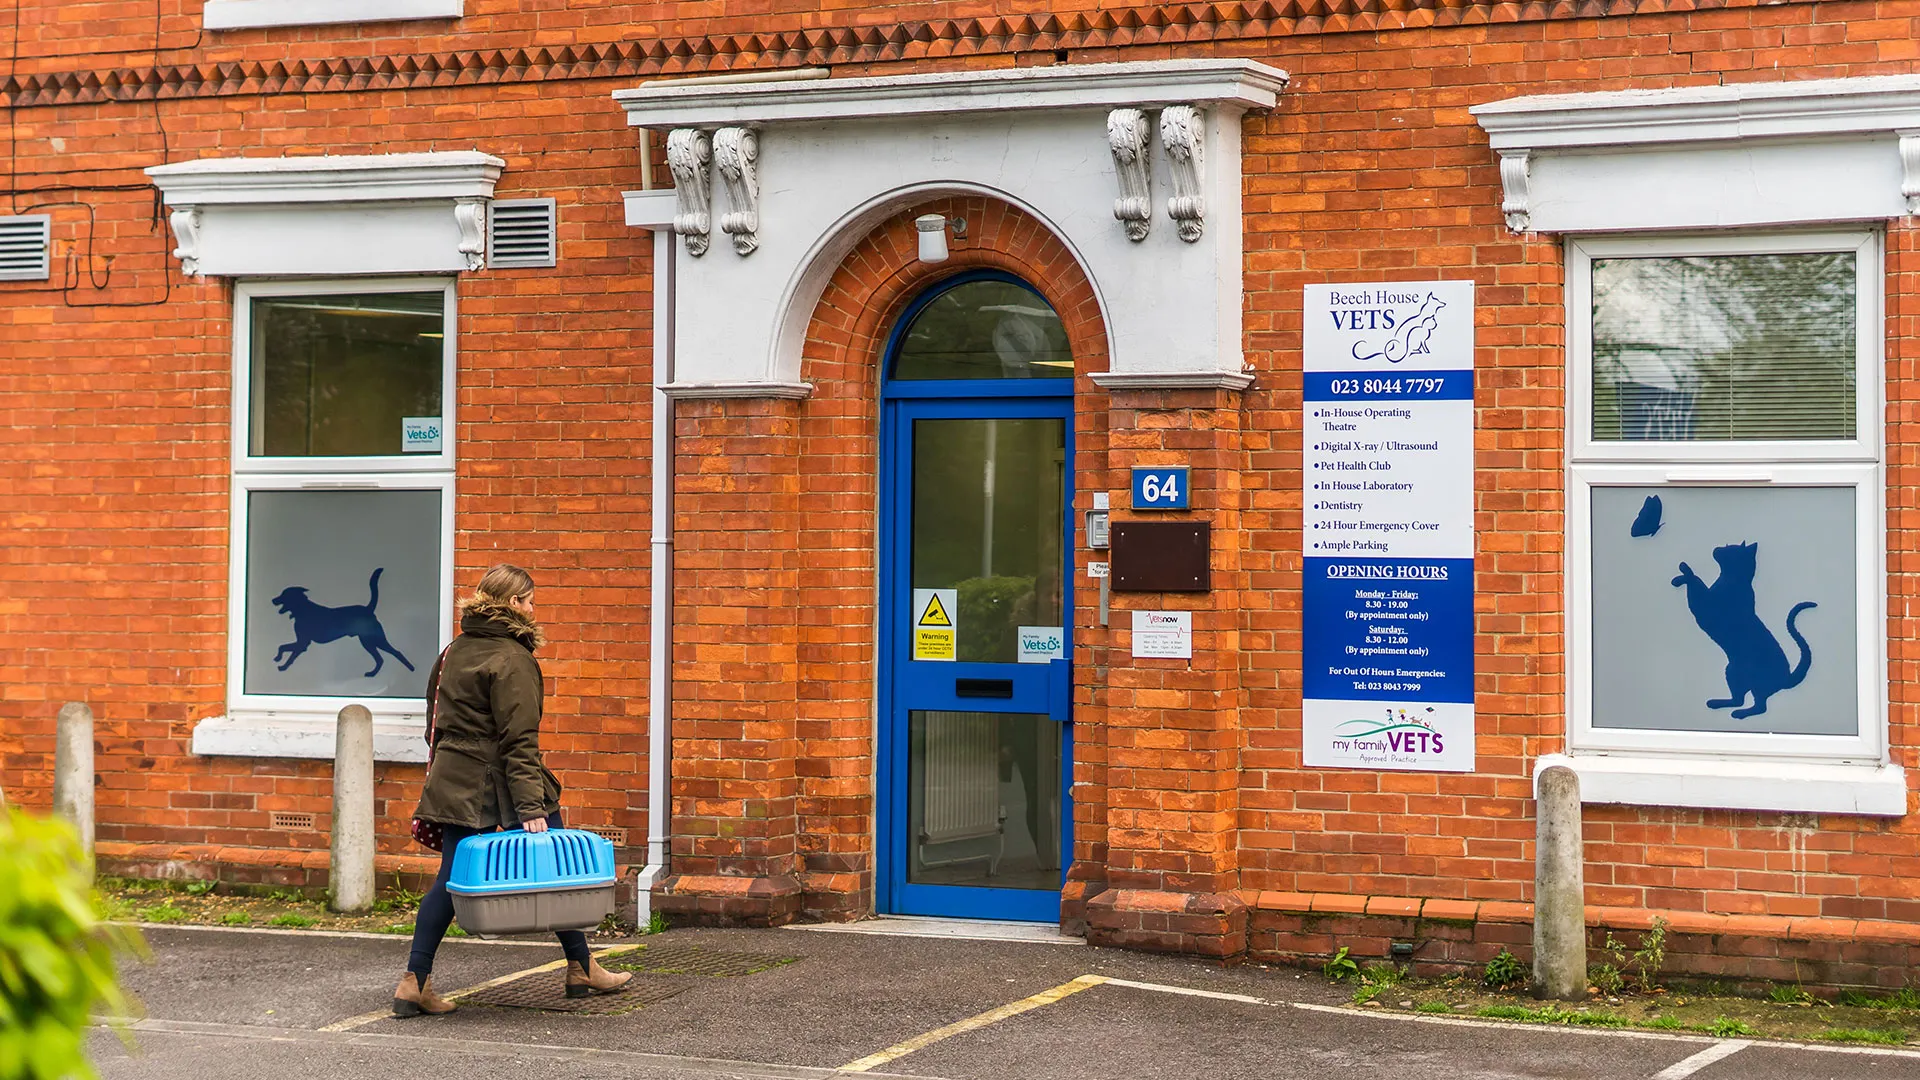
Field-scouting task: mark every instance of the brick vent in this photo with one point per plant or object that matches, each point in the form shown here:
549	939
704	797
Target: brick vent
285	821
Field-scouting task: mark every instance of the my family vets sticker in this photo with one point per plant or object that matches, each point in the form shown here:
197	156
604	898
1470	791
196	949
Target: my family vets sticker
935	619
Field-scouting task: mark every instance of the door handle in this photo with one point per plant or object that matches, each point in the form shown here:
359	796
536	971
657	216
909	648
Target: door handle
983	688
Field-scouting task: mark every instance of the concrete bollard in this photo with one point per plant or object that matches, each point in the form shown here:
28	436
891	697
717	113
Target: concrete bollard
350	868
1559	889
73	770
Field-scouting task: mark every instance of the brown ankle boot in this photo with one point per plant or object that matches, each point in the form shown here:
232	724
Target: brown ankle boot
594	979
413	998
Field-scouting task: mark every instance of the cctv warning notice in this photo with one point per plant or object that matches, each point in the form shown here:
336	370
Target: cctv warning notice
1388	526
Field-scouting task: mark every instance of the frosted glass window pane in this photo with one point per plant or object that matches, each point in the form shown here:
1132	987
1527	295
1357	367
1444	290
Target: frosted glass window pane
1725	348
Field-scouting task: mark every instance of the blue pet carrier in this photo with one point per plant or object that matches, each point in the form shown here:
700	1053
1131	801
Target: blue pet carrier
517	882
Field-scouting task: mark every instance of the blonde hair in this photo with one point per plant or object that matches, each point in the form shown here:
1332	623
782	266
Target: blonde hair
500	585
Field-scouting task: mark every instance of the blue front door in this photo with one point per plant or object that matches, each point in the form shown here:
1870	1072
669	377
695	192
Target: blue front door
975	744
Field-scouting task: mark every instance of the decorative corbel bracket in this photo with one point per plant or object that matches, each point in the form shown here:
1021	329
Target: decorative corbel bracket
185	221
1910	169
736	153
688	152
1130	136
471	216
1183	133
1514	183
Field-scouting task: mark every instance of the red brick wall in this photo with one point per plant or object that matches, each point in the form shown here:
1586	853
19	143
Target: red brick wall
113	465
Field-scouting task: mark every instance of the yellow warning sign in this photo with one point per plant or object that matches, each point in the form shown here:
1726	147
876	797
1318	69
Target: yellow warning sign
934	614
934	625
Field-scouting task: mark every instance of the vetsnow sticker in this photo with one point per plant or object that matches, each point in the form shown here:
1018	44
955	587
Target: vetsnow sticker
1165	635
935	623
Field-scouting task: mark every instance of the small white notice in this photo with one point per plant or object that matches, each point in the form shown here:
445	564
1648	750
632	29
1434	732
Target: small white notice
1098	569
420	434
1039	644
1165	635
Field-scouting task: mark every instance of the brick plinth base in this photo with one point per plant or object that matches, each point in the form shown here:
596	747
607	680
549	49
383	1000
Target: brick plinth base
279	867
1074	898
1450	936
716	900
1213	925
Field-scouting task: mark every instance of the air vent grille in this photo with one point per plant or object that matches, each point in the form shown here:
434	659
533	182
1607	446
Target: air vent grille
293	822
614	834
25	243
522	233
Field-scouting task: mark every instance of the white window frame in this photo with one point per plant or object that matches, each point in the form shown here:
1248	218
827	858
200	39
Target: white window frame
1761	771
267	725
247	14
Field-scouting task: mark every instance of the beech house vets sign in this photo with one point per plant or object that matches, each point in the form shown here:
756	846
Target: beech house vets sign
1388	526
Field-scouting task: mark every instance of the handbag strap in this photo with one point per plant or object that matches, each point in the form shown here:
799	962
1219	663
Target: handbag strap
432	732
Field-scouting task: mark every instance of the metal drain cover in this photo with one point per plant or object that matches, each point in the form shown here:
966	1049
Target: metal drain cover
546	990
676	959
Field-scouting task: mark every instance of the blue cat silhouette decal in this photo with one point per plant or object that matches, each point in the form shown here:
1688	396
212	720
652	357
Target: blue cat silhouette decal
1647	521
1726	611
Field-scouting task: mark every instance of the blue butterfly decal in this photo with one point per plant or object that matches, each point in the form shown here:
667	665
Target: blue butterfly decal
1647	521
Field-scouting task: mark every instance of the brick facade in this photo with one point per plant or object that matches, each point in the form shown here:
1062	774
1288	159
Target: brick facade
1196	827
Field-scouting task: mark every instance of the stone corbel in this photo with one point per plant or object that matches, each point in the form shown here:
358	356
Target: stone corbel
688	152
1910	169
1130	137
1183	132
185	221
1514	183
471	216
736	153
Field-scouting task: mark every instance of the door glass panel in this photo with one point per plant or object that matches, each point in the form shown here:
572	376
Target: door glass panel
988	522
983	800
985	330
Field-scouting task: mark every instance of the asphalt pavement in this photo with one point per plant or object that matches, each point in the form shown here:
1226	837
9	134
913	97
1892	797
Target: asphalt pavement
247	1005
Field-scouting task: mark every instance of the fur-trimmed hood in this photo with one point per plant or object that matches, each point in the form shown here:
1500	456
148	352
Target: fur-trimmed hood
480	614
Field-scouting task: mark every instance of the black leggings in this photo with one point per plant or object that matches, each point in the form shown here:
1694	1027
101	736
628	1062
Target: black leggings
436	910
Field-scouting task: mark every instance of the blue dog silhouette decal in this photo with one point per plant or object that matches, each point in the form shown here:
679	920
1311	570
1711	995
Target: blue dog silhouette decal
317	623
1726	611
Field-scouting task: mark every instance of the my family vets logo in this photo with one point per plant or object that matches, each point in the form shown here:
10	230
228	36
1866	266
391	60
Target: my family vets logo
1405	734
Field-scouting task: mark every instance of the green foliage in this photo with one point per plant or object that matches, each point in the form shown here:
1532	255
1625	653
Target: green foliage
399	898
1651	956
56	955
292	919
1666	1023
1865	1035
992	609
1366	992
200	888
1605	978
236	918
1725	1028
1904	998
1433	1007
1341	967
1788	995
1552	1014
656	924
396	928
161	913
1503	970
1382	974
457	931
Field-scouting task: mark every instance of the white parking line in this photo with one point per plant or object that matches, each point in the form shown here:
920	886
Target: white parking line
363	935
1686	1067
364	1019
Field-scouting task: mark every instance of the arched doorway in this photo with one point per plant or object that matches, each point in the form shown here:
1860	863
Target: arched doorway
975	744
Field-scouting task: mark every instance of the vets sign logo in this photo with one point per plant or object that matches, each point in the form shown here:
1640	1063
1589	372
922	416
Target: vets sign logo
935	623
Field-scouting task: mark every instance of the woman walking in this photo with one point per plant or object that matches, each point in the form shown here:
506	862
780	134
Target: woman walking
487	773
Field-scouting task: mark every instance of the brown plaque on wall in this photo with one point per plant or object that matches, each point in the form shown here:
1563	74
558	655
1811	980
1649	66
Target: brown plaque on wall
1161	556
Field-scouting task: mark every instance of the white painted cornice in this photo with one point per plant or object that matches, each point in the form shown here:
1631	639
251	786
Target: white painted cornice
1172	380
355	214
1241	84
1753	154
447	174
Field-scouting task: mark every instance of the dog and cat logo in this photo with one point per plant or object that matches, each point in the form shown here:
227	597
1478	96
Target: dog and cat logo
317	624
1728	612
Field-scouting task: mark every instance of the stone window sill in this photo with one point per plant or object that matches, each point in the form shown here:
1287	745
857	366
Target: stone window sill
1718	784
395	738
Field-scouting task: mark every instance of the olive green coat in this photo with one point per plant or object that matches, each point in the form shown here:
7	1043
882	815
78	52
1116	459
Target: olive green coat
487	689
